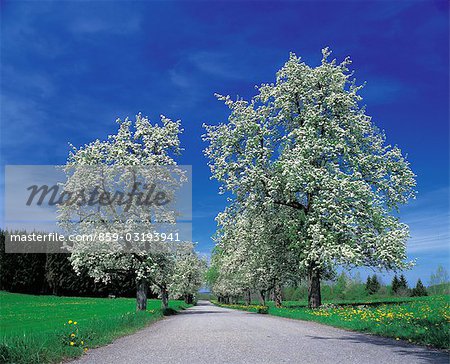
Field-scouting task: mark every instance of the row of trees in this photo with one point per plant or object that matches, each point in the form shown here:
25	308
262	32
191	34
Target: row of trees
123	172
52	273
399	286
312	185
139	152
353	288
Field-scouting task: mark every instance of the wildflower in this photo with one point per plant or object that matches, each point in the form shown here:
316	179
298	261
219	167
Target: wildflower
72	335
72	343
69	322
75	322
82	342
85	349
397	338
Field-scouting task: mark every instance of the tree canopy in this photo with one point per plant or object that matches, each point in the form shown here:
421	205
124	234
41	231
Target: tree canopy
305	148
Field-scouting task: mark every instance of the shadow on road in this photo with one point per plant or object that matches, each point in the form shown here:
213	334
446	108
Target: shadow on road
424	355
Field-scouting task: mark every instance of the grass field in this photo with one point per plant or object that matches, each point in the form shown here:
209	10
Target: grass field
420	320
36	329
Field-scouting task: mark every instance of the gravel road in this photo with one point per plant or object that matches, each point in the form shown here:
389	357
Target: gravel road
210	334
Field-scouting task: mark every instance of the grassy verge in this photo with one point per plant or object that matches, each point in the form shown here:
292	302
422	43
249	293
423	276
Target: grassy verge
421	320
243	307
46	329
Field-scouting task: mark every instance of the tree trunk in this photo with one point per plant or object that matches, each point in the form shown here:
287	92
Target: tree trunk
141	295
277	293
248	297
262	298
164	298
188	298
314	298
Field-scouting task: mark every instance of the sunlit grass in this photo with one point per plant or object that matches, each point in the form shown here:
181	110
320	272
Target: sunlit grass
421	320
36	329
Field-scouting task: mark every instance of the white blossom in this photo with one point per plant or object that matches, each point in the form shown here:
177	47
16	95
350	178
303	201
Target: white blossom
305	143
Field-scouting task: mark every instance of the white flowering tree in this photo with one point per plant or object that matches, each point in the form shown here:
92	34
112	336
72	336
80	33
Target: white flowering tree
131	160
228	286
306	143
255	253
188	274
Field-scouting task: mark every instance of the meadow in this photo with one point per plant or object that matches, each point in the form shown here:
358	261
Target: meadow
419	320
43	329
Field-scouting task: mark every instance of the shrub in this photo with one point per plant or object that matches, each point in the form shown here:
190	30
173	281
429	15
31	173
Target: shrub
262	309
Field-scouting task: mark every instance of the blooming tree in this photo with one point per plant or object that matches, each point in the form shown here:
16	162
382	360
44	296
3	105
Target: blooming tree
255	253
306	143
131	160
188	274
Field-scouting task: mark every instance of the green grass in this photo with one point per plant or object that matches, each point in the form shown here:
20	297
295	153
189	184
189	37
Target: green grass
36	329
375	301
420	320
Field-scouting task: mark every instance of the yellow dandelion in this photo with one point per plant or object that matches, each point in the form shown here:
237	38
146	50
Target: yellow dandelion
69	322
72	335
72	343
85	349
75	322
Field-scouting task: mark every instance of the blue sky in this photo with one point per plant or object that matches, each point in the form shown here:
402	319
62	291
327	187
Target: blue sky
69	69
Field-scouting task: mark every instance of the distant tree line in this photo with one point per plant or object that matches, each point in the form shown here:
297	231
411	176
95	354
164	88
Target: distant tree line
52	274
399	286
346	287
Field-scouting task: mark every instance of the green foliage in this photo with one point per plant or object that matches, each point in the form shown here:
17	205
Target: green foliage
263	310
21	272
403	289
205	296
419	290
52	273
439	289
300	292
355	291
32	327
341	285
403	283
373	284
348	288
211	275
439	281
395	285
